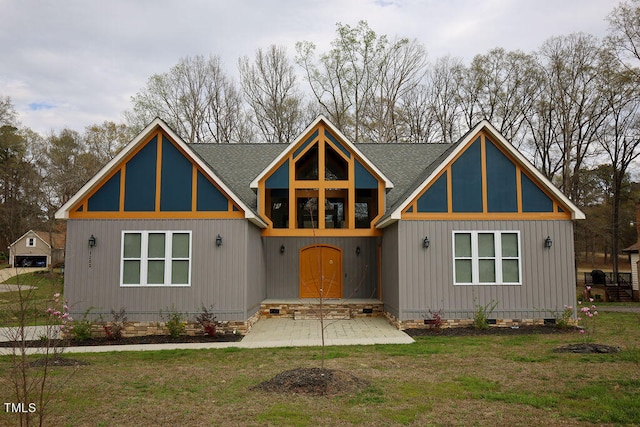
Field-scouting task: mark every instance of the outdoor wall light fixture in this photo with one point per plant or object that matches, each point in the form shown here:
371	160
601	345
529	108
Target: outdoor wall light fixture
548	242
92	241
219	241
357	250
281	249
426	242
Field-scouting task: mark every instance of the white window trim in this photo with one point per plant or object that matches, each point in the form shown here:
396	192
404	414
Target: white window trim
29	240
144	258
475	273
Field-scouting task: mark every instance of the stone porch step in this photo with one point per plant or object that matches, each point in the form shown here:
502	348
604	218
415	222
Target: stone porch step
311	309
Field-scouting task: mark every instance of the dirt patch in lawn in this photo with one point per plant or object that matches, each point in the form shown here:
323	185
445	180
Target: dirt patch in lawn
314	382
586	348
147	339
57	361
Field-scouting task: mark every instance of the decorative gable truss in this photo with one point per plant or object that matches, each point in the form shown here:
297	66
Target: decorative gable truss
321	185
156	176
485	178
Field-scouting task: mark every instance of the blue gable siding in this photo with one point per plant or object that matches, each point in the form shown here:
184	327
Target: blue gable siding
466	180
107	198
533	198
502	191
435	198
337	144
313	136
209	197
176	181
280	178
140	180
363	179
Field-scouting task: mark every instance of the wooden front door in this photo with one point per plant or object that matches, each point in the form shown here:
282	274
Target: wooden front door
320	272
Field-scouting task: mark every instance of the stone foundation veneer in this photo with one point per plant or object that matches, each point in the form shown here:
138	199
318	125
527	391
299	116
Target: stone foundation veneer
460	323
308	312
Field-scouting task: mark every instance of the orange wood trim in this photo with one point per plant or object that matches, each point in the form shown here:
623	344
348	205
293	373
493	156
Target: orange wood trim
158	171
319	184
194	187
338	150
350	217
519	188
326	232
161	215
483	173
322	197
502	216
313	142
123	174
292	195
449	190
381	202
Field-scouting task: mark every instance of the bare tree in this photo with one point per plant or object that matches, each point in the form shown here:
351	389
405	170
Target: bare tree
196	98
270	88
401	69
501	87
620	135
570	64
444	82
624	28
416	115
8	115
106	140
344	81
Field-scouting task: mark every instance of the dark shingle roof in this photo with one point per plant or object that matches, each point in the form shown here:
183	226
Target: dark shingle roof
238	164
406	165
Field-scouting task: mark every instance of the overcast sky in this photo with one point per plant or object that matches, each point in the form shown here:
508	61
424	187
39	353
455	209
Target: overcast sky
75	63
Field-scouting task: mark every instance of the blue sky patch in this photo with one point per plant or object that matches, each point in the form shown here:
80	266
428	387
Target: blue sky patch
38	106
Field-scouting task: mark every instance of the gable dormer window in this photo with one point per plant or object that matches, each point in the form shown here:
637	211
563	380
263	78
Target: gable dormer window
321	184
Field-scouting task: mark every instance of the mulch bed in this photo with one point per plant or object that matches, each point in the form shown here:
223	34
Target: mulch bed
314	382
147	339
492	330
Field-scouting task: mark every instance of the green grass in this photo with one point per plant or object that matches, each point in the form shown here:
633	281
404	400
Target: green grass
36	300
469	380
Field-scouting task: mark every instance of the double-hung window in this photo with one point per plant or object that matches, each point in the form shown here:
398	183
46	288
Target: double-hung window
486	258
156	258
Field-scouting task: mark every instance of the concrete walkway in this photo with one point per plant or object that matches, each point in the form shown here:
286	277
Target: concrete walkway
276	333
7	273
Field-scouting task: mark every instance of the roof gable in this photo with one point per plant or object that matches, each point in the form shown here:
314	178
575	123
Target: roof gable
306	138
156	175
482	174
30	234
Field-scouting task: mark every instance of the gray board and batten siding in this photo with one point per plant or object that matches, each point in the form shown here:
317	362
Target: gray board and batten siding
359	270
228	277
416	280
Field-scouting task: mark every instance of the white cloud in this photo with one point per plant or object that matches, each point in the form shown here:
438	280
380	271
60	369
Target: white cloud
85	60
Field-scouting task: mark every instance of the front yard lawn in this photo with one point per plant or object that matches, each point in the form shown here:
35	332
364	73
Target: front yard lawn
439	380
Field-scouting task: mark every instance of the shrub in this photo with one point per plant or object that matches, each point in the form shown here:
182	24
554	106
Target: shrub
173	321
436	319
82	328
563	320
118	323
482	313
207	320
